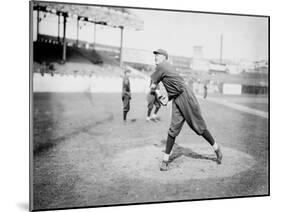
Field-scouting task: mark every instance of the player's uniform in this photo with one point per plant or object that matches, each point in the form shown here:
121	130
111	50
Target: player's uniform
185	106
205	91
152	100
126	94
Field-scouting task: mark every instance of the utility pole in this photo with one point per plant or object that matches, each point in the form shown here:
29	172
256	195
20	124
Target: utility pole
64	39
77	42
38	20
58	27
221	46
94	34
121	47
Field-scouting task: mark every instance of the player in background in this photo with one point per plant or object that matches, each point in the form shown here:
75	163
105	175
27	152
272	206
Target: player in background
152	101
205	90
185	107
126	94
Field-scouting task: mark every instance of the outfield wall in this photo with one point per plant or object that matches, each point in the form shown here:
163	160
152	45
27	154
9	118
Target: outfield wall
105	84
234	89
102	84
95	84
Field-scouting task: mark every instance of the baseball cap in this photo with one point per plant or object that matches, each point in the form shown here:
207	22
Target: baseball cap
127	71
161	51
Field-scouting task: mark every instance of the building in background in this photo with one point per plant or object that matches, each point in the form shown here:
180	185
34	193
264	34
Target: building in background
198	61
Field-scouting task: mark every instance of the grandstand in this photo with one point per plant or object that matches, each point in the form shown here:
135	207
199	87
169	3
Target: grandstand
66	56
80	61
110	16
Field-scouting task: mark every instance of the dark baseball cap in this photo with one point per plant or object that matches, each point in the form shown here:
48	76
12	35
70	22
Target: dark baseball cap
161	51
127	71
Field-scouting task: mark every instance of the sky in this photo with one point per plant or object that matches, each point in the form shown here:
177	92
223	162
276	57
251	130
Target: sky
244	37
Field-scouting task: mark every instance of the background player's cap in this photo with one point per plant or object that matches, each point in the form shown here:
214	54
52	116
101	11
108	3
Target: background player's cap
161	51
127	71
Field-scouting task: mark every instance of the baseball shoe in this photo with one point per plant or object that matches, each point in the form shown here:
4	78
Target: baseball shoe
155	117
148	119
219	155
164	166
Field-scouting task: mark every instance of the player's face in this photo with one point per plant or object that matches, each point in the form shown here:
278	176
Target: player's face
159	58
127	74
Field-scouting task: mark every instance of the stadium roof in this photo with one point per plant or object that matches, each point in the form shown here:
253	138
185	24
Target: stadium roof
105	15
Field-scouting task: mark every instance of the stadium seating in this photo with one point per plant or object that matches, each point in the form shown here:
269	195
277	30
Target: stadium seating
79	60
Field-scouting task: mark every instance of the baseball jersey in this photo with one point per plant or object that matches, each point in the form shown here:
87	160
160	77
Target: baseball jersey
126	90
171	80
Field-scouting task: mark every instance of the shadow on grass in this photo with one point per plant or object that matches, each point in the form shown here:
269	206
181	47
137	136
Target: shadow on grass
133	120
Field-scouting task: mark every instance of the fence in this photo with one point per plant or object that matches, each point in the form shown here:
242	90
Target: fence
58	83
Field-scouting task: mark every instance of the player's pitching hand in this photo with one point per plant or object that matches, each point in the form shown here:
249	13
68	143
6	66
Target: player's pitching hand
163	100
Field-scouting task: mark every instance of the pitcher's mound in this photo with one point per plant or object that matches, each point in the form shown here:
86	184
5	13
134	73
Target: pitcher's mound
187	162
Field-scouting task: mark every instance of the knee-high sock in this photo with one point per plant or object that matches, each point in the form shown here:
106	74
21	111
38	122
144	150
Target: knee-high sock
207	135
169	144
156	110
124	115
149	112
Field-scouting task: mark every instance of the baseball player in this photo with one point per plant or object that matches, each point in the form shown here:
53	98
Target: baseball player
126	94
185	107
205	90
152	101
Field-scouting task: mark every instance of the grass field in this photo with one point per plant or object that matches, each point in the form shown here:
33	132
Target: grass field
258	102
85	156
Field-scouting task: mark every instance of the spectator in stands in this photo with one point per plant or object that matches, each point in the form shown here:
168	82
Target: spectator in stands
126	94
